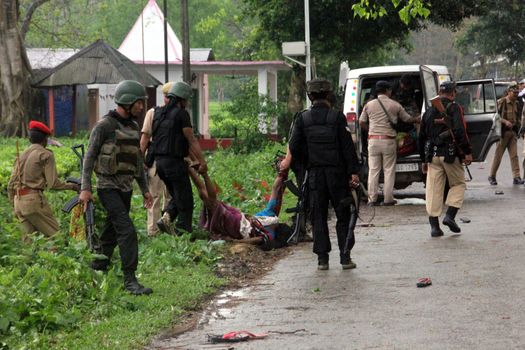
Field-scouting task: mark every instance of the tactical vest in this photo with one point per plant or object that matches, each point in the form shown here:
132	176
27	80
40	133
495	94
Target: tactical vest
436	129
119	155
322	141
167	136
437	146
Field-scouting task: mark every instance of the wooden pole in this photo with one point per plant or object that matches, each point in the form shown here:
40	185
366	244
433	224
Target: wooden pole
166	71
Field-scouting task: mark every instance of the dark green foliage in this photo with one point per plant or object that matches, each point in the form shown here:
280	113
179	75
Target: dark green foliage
498	32
336	34
243	116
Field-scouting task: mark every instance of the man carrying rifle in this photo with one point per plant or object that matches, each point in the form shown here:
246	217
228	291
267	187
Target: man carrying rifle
320	136
35	170
444	146
114	154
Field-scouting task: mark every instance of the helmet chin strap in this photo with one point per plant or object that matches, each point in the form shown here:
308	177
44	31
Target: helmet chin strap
128	110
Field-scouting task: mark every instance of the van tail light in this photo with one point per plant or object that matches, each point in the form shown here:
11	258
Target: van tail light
351	118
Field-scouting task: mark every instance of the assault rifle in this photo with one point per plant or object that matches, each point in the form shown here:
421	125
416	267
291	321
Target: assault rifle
354	201
447	121
300	209
89	213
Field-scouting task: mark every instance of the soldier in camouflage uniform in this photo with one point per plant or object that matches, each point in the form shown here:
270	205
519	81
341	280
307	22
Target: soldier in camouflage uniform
114	154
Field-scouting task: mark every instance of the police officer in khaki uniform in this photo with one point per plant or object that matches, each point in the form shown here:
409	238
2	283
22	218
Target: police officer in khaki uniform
379	117
33	171
156	186
443	157
114	154
508	110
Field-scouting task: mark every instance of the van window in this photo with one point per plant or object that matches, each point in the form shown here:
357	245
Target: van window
476	98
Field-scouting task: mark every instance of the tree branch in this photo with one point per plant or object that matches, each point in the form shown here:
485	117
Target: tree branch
29	14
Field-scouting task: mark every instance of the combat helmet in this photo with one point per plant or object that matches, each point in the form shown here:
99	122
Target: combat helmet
318	86
129	92
180	89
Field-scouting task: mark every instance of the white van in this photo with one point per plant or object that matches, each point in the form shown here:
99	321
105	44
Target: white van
478	98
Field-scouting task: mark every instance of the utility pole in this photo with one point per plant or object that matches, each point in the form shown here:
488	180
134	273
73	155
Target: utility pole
307	45
186	73
166	71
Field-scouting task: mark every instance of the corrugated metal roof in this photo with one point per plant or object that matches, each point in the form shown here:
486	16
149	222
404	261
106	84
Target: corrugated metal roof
99	63
202	55
45	58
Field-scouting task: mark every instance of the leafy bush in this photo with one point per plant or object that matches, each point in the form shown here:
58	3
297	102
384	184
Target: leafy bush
246	116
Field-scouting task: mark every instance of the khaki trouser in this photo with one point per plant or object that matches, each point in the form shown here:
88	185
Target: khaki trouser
523	154
381	155
438	172
158	192
509	142
35	214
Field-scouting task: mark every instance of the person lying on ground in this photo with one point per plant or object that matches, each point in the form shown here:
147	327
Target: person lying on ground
229	223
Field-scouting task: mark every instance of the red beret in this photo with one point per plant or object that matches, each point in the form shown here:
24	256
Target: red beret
33	124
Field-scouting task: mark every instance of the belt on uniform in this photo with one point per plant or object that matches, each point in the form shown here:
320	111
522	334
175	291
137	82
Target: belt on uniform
25	190
381	137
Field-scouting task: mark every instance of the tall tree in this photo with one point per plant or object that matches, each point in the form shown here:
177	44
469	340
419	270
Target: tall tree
501	31
337	34
15	69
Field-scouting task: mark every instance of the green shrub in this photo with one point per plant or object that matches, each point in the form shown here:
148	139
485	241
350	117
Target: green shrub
245	116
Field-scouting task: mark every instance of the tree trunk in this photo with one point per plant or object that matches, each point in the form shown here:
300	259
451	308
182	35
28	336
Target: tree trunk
297	90
15	72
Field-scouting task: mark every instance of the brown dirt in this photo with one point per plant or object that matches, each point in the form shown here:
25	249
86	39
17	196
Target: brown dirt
243	263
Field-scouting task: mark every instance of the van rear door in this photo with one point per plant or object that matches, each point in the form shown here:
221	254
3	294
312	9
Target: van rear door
429	81
478	99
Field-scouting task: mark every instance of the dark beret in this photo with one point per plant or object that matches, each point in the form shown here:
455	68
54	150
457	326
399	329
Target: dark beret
383	85
447	86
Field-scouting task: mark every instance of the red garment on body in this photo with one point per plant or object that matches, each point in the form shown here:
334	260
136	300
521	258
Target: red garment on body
223	222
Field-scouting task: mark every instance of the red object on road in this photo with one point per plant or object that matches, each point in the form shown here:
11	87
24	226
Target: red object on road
424	282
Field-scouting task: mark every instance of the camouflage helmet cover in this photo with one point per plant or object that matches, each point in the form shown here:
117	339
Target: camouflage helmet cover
181	89
129	92
318	85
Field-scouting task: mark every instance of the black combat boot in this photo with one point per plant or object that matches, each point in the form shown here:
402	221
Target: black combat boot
322	262
435	230
133	286
449	219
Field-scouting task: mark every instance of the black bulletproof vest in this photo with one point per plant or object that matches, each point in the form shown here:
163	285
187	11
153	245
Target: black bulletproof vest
321	138
168	139
433	129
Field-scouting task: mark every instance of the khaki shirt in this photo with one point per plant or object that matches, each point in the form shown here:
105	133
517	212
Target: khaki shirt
379	122
147	126
37	171
508	109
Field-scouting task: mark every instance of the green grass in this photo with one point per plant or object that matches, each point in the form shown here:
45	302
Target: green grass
174	294
53	300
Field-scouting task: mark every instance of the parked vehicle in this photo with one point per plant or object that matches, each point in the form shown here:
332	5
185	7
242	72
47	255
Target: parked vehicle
478	97
501	88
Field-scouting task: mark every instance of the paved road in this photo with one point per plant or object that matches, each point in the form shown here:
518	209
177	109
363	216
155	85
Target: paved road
476	300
